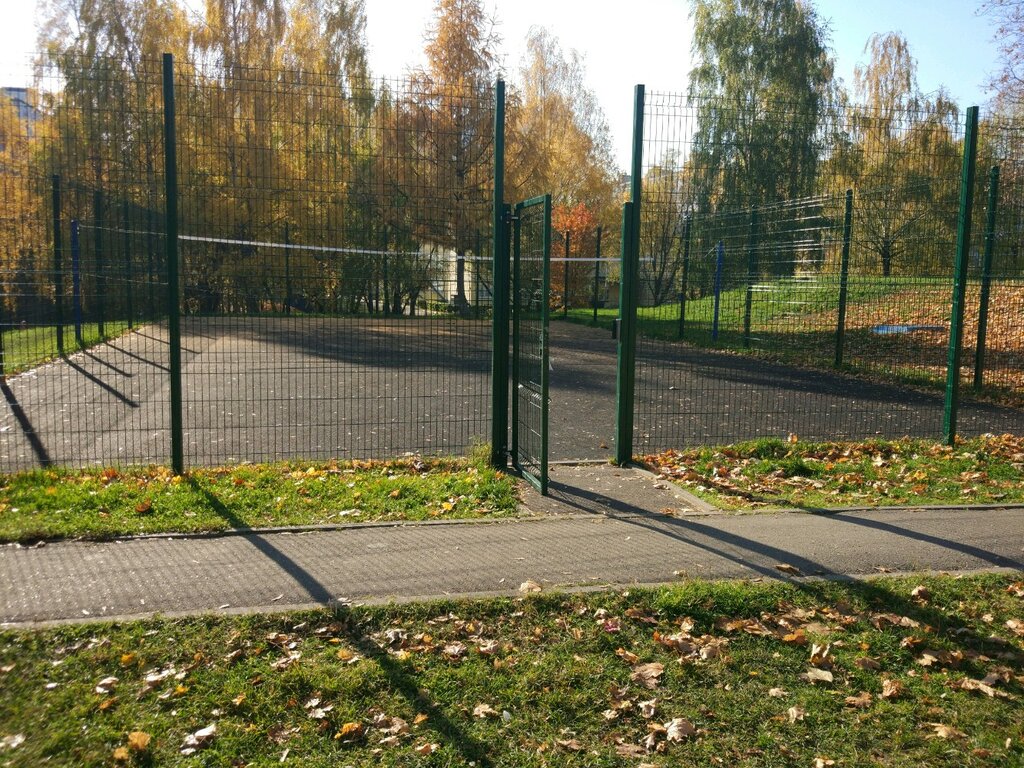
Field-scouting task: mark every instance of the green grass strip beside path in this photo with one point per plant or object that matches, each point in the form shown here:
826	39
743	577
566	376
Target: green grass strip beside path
776	473
46	504
893	672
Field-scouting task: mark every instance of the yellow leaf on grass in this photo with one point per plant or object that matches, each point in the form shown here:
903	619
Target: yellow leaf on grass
861	701
946	731
349	732
648	675
892	689
484	710
138	741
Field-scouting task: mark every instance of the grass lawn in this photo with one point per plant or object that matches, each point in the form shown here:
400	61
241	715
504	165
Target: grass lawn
889	672
772	473
45	504
794	321
26	348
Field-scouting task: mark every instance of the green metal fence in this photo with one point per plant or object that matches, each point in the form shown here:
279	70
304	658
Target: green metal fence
811	292
239	264
201	264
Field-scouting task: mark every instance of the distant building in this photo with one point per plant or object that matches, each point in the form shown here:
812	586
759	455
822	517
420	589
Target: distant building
21	98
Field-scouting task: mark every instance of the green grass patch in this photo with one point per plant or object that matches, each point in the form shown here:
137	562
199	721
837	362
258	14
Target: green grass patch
45	504
26	348
772	472
775	303
547	680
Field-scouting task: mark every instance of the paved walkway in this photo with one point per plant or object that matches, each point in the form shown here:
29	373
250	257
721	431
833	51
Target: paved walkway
602	525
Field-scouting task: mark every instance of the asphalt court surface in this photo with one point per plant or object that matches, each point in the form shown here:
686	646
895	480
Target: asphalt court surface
260	389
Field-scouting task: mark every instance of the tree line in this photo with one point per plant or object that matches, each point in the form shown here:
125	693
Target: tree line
377	192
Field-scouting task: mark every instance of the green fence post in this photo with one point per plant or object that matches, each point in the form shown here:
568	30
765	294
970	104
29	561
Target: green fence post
76	282
628	295
288	269
150	258
100	281
173	298
751	276
625	381
597	270
565	278
986	277
687	229
129	277
3	367
58	266
844	278
963	248
500	276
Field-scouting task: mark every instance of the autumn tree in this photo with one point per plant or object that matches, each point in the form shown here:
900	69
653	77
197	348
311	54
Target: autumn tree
21	232
762	88
559	142
901	158
668	201
1008	82
450	129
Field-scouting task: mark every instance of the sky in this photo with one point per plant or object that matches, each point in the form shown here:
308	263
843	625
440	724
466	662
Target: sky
642	41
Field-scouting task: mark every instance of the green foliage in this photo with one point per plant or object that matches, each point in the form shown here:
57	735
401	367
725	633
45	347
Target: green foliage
763	88
47	504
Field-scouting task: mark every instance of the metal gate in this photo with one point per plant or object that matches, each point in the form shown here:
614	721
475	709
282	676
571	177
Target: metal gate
531	282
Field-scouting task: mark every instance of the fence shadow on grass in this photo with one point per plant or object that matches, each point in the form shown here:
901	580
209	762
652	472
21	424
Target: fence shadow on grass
399	679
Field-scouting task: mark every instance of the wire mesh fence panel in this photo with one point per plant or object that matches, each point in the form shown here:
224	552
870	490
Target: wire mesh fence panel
993	360
335	281
84	345
774	303
335	287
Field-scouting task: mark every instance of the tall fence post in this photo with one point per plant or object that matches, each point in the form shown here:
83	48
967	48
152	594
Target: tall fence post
58	265
844	278
628	295
963	247
129	277
751	276
565	278
3	363
76	281
100	280
597	270
719	267
500	276
986	277
150	260
173	297
684	283
288	269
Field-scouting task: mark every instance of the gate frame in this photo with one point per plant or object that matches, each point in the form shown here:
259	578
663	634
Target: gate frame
539	481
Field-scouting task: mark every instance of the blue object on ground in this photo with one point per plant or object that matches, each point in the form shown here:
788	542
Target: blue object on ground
887	330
